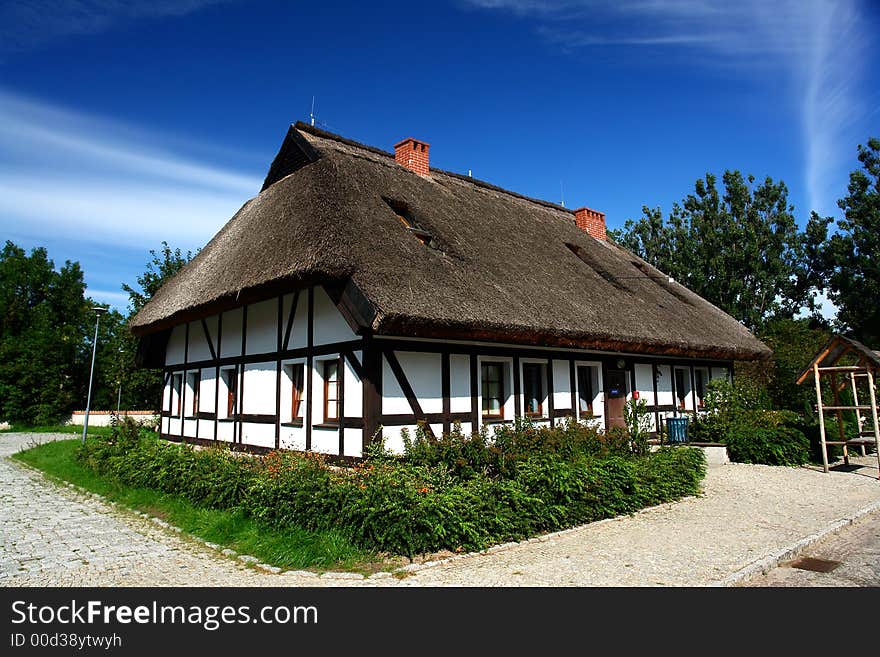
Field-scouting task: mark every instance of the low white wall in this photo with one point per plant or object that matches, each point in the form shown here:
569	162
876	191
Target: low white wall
102	418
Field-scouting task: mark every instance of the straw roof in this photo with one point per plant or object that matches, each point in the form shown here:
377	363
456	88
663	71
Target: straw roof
477	262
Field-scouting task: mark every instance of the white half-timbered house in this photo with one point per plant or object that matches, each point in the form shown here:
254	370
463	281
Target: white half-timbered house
362	292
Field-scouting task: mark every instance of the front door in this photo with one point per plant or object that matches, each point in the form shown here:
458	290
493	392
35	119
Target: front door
615	397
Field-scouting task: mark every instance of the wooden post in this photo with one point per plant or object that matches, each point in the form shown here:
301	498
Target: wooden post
874	417
852	378
839	414
821	417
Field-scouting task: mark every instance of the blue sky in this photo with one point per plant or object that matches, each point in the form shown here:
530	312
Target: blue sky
123	124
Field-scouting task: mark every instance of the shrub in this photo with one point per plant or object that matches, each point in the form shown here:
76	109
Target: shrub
455	492
780	445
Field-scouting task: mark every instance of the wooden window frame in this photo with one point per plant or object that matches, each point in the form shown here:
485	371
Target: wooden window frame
296	392
325	365
542	388
230	378
501	390
592	393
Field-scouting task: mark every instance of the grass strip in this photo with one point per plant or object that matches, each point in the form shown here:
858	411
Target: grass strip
289	548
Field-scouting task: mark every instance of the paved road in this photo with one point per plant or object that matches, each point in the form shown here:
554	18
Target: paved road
856	548
52	535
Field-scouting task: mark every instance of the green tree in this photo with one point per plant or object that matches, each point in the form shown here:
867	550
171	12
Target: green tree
44	348
738	247
852	254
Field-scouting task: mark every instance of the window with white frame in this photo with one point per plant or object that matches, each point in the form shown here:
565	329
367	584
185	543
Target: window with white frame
330	373
229	376
193	383
534	379
587	385
494	390
176	394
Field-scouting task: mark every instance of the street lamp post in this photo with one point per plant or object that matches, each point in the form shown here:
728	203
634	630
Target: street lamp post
98	312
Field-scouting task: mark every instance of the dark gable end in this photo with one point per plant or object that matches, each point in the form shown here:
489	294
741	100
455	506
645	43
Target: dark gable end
439	256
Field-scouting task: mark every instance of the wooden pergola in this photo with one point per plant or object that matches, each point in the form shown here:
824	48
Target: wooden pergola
867	366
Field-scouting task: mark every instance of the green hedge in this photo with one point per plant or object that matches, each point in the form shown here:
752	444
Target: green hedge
421	502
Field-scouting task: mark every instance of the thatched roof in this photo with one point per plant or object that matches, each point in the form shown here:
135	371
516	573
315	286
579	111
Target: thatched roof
498	266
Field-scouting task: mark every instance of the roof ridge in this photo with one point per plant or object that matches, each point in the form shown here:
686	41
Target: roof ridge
318	132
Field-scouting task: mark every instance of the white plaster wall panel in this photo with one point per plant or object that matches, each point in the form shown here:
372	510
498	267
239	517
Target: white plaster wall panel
460	383
287	301
645	382
354	444
299	334
561	384
720	373
330	326
664	386
189	428
259	389
293	438
325	441
260	435
206	429
262	327
224	431
466	428
393	400
353	390
207	389
230	341
174	426
166	395
437	429
165	424
198	343
174	352
423	371
394	439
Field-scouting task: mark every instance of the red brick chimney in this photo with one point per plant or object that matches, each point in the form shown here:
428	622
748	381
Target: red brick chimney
591	221
413	154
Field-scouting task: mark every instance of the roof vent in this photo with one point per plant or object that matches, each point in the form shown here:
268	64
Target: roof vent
413	154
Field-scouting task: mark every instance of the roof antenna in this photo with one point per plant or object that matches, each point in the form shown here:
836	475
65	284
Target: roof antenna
312	113
562	194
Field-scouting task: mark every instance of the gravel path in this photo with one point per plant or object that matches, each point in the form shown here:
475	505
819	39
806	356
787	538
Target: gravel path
52	535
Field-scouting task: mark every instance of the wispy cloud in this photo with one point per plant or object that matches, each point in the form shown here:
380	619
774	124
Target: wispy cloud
818	45
27	24
67	174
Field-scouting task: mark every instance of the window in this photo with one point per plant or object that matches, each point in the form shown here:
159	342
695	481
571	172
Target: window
230	378
176	390
405	217
493	390
700	378
585	390
295	374
331	391
681	387
534	376
193	383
